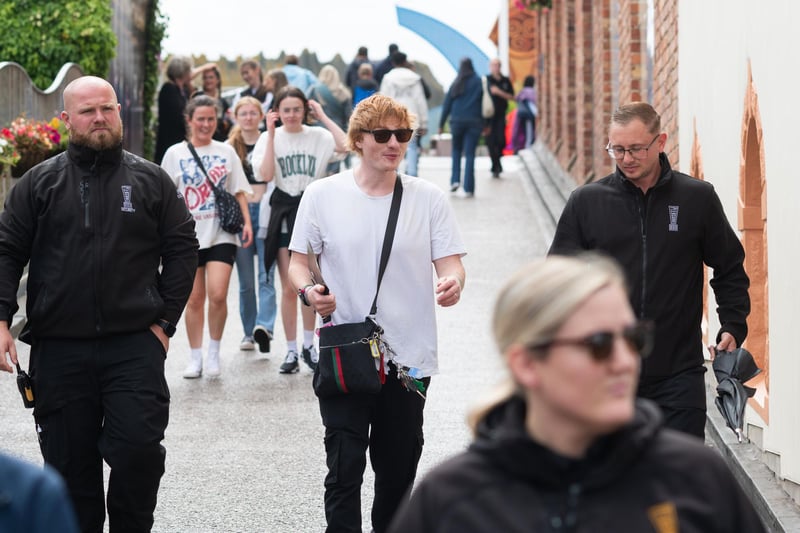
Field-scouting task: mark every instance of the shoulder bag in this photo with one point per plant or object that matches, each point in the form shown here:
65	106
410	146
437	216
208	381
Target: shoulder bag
487	105
347	352
228	209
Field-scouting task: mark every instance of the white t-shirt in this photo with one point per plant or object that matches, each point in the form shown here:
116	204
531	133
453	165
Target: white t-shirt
223	166
300	158
345	227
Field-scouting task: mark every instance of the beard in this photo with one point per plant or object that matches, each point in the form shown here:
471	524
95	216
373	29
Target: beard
104	140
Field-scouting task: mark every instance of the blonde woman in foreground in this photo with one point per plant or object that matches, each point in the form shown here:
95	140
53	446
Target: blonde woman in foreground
564	445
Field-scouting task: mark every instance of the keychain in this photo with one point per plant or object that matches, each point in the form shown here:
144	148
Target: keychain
407	376
375	349
409	382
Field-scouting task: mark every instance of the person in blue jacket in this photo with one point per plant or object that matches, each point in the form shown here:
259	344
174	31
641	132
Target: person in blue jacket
462	105
33	499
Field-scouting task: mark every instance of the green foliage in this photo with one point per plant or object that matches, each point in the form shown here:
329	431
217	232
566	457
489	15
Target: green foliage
43	35
534	4
155	31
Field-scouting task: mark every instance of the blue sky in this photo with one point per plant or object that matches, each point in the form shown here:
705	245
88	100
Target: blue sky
327	27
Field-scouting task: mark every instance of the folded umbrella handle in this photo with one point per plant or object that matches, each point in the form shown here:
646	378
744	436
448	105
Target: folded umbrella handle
326	319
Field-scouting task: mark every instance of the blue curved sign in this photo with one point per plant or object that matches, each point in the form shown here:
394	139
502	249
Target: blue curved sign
450	43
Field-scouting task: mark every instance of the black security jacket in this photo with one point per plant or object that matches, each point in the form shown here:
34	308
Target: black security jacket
95	227
643	478
662	239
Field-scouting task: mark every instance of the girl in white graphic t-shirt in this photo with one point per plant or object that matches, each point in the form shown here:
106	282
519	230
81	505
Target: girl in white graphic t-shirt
293	155
217	247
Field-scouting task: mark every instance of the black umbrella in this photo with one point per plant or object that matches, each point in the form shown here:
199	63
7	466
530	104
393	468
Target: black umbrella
733	369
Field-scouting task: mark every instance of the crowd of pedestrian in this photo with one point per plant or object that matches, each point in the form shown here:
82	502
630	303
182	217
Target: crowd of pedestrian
279	158
581	406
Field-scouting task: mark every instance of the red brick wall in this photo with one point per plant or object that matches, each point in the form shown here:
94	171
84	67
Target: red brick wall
602	95
665	74
594	58
584	147
568	86
632	50
556	48
544	82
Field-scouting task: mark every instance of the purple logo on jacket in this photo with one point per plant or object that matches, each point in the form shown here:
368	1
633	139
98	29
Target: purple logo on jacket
673	217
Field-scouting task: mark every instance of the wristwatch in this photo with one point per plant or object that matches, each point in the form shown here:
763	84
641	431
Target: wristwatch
168	328
302	294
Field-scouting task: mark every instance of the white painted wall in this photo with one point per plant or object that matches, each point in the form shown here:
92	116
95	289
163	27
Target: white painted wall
717	39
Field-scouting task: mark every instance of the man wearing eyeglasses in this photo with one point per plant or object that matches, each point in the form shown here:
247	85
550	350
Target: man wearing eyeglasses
662	226
343	219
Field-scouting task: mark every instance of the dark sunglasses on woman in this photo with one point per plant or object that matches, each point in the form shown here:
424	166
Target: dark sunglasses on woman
639	338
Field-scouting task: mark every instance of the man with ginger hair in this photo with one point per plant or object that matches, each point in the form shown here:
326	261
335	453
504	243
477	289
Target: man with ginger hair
427	245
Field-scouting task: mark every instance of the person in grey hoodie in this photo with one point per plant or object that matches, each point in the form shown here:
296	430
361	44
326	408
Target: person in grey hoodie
404	85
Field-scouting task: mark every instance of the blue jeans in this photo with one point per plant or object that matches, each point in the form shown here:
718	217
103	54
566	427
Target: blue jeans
412	157
465	140
265	311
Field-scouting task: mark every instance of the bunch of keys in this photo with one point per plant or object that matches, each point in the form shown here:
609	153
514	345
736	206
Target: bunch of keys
407	376
410	382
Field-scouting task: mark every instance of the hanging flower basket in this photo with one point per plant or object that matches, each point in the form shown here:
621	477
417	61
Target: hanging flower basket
8	153
27	162
31	142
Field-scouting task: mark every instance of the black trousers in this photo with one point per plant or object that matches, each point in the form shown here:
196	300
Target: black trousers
682	399
390	425
496	142
104	399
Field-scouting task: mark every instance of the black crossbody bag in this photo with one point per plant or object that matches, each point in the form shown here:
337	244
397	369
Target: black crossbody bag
229	211
347	352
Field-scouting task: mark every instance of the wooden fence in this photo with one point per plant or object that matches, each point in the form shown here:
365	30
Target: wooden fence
21	96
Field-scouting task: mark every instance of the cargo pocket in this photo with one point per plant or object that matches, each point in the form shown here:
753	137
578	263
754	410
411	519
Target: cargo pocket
333	445
52	442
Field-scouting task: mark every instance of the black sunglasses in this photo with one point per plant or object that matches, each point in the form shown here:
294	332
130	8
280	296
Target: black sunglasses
383	136
600	345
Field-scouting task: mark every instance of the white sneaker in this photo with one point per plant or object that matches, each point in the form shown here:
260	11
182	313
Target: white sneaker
247	344
194	370
212	365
